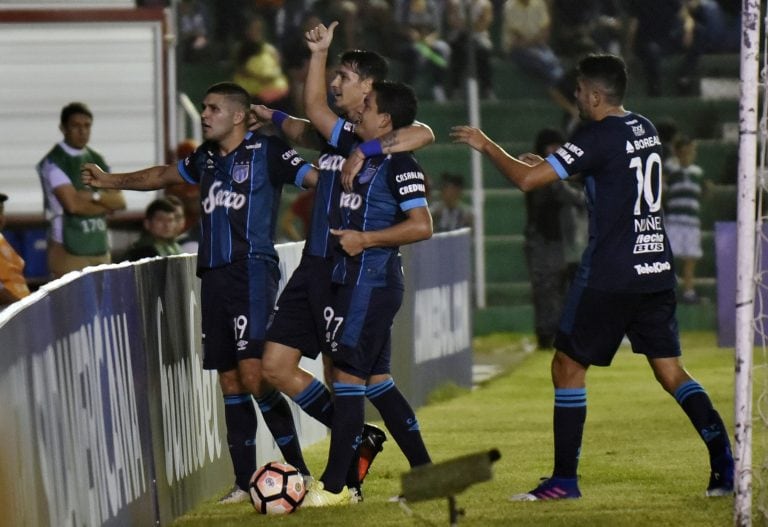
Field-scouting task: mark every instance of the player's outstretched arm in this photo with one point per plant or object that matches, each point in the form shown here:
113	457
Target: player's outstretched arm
151	178
416	227
525	176
320	114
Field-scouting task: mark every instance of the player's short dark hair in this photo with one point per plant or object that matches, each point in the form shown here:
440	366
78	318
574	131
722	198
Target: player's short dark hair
159	205
608	70
232	91
398	100
74	108
367	64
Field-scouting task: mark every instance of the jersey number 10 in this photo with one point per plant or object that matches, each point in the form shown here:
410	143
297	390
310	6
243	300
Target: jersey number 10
648	182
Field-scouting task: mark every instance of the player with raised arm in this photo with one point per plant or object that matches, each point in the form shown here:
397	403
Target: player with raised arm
385	208
626	282
241	175
299	323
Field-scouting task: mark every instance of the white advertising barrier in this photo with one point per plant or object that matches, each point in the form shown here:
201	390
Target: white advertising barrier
76	445
109	419
107	416
432	335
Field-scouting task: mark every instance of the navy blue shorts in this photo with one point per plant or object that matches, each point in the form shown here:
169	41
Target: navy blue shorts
595	322
360	332
303	310
237	300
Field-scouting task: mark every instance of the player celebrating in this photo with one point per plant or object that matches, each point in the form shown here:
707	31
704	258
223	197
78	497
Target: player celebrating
300	319
241	175
625	285
386	208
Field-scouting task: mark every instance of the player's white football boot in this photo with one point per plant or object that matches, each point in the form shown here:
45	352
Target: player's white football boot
236	495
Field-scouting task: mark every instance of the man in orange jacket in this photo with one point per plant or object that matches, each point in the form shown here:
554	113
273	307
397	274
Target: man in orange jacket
13	286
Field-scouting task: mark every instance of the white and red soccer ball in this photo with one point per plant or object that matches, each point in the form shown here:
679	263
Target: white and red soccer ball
277	488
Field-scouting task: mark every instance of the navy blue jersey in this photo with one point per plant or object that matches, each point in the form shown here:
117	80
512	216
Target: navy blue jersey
620	160
325	213
385	189
240	196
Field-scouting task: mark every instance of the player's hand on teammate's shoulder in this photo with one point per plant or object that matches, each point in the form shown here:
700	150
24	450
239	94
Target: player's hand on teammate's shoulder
259	116
319	38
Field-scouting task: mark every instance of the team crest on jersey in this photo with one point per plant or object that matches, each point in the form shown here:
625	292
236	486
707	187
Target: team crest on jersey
240	172
367	174
638	130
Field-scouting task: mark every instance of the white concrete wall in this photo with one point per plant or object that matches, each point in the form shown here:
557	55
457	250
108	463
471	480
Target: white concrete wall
114	67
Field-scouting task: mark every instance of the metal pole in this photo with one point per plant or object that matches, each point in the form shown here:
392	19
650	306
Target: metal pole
476	166
745	262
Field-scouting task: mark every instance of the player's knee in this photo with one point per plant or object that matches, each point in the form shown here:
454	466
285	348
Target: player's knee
279	366
671	381
230	382
566	372
271	370
251	377
669	373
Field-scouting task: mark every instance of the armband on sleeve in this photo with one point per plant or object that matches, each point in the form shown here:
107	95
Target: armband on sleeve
278	117
371	148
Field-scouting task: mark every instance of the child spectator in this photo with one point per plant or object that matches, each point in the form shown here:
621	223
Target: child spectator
161	226
683	194
450	212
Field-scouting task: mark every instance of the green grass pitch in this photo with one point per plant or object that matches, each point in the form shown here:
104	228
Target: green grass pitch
642	462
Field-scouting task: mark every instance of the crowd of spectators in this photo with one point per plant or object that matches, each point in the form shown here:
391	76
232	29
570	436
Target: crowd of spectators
429	42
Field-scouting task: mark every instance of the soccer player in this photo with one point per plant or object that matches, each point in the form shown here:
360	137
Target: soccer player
300	319
241	175
77	233
385	208
625	285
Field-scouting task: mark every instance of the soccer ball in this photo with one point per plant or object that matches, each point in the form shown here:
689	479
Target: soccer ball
277	488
